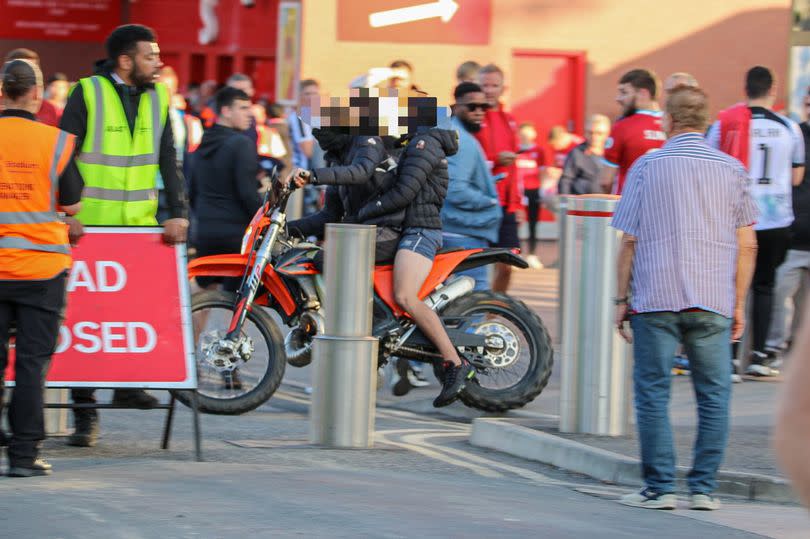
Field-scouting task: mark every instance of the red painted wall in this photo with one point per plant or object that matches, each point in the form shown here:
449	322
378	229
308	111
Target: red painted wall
246	41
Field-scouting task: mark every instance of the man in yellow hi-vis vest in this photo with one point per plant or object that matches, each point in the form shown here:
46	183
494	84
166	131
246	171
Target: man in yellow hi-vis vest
124	137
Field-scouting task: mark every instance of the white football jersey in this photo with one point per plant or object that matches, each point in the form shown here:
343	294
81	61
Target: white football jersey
776	148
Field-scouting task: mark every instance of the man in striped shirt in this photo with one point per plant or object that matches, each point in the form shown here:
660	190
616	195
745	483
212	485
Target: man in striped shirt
689	244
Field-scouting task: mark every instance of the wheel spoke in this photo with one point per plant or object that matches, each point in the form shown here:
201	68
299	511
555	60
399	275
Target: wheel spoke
512	362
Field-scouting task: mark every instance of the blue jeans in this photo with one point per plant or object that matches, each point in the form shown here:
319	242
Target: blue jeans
705	337
468	242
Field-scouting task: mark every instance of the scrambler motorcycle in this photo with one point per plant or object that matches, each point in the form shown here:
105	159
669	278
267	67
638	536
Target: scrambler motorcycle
242	353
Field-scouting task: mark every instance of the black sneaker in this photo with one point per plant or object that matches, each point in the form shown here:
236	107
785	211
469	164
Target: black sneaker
86	433
400	383
36	468
455	380
134	398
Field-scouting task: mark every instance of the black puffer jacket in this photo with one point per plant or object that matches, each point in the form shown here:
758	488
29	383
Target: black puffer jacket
801	201
352	181
421	186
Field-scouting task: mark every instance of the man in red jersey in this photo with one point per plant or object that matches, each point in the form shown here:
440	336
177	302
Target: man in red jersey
499	140
637	132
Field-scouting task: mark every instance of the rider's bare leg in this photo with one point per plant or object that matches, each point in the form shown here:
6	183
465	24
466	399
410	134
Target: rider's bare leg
410	271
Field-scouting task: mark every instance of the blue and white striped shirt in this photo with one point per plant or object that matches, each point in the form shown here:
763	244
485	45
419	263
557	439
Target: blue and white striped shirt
684	204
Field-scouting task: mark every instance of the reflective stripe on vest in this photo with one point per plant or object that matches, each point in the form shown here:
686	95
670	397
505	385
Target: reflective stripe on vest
30	226
120	166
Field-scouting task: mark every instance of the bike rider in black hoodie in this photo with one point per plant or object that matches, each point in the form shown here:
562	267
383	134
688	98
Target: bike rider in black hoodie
355	175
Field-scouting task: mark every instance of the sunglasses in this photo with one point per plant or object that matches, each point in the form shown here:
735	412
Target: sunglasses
472	107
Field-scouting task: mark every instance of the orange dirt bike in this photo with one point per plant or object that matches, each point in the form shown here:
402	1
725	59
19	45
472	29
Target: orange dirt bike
241	350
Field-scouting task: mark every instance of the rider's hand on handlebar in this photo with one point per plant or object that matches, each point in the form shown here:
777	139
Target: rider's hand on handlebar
299	177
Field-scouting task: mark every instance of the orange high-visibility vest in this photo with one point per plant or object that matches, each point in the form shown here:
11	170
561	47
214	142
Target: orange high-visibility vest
33	240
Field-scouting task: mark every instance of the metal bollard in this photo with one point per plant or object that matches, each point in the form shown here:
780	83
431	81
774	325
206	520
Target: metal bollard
345	357
563	238
596	390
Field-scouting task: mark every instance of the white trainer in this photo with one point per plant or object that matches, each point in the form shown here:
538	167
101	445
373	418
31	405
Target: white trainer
648	499
704	502
534	262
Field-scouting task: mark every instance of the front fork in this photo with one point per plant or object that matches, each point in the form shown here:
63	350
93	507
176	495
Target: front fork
253	277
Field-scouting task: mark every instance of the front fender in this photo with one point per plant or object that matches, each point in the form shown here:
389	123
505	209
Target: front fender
233	265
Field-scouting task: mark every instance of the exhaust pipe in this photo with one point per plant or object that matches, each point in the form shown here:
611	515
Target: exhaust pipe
455	288
298	342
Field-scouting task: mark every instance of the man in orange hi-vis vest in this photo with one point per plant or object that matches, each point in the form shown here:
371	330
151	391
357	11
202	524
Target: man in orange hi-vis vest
34	254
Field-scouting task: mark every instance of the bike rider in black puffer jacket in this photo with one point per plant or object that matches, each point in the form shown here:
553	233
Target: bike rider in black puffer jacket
420	190
355	177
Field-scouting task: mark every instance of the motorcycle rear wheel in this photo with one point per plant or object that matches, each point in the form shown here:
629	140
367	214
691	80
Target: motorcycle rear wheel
266	335
518	324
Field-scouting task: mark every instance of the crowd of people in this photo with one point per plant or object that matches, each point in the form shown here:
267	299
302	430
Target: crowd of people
697	200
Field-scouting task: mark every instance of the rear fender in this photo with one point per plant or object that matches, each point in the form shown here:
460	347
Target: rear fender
492	256
233	265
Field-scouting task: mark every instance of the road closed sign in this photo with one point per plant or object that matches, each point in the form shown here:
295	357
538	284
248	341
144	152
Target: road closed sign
128	319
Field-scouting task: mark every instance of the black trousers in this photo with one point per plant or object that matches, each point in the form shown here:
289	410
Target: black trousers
36	308
773	246
533	215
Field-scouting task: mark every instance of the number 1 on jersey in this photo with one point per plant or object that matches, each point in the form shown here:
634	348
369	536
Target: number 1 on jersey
764	179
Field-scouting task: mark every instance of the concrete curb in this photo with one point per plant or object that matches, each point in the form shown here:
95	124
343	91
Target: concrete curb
607	466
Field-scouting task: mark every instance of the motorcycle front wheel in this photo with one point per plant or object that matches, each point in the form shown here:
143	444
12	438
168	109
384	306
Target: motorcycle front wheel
520	363
253	381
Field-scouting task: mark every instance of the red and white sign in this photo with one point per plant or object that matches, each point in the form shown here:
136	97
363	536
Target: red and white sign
128	321
68	20
415	21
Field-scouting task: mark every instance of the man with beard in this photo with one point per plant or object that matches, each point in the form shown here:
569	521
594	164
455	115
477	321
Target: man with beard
124	137
637	132
471	214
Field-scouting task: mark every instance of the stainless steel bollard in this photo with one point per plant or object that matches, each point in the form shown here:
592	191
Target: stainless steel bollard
345	357
596	371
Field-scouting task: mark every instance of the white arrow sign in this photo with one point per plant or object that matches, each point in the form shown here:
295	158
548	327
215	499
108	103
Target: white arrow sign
443	9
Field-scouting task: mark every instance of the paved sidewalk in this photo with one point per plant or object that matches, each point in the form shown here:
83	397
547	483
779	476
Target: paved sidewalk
752	408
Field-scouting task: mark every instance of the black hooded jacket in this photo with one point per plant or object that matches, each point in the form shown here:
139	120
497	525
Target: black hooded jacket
224	188
421	185
354	178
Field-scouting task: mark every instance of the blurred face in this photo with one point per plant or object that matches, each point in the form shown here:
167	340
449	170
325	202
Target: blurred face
470	109
58	91
596	134
492	84
528	135
308	94
238	115
244	85
144	66
626	98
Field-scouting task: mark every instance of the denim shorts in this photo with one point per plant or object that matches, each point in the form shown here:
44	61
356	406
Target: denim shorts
423	241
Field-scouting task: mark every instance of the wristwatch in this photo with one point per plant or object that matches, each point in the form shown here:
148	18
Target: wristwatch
621	301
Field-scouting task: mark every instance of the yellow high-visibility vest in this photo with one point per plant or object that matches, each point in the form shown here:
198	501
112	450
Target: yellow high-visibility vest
120	167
